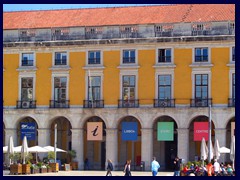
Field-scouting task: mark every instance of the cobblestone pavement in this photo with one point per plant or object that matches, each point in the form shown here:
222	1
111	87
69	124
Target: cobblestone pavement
91	173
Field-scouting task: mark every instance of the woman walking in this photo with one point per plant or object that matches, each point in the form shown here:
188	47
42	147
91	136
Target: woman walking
127	170
109	168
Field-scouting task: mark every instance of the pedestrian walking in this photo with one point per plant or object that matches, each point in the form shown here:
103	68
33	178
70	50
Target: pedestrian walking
127	168
109	168
154	166
176	167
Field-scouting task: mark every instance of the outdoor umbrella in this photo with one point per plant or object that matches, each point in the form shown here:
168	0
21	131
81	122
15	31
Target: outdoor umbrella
232	150
24	149
5	149
17	149
216	149
224	150
204	150
37	149
51	148
211	149
10	150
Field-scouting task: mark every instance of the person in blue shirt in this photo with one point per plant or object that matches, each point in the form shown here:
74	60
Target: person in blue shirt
154	166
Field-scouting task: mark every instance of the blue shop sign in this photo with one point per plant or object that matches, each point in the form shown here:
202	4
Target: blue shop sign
129	131
28	130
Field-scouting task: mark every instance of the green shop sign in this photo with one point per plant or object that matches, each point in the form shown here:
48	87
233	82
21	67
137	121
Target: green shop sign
165	131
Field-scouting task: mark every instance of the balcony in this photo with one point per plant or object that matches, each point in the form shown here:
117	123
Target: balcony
231	102
164	103
59	103
93	104
26	104
134	103
200	102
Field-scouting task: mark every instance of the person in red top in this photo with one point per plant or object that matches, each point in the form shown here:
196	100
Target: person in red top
209	169
186	170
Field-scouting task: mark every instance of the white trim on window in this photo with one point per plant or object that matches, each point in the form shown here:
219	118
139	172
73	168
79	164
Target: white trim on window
129	72
128	64
209	55
231	60
201	71
53	58
26	75
231	72
60	74
93	72
164	63
158	72
94	65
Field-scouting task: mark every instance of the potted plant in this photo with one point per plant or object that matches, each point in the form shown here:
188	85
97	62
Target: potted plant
34	169
26	167
53	165
15	168
49	169
72	154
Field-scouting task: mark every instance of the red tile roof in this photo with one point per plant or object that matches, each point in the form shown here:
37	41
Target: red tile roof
119	16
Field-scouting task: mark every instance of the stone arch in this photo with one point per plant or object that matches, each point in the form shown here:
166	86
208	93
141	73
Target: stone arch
94	151
165	150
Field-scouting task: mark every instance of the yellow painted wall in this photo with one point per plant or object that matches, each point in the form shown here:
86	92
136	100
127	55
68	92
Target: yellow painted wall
77	78
43	78
10	81
111	82
182	76
146	78
220	75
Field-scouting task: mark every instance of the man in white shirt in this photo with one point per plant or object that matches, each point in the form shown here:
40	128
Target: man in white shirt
216	166
154	166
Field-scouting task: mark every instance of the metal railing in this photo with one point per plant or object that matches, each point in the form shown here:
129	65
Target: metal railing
93	104
201	58
60	61
164	103
200	102
59	104
27	62
164	59
28	104
127	60
134	103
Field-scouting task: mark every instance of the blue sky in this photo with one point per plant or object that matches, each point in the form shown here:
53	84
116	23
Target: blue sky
23	7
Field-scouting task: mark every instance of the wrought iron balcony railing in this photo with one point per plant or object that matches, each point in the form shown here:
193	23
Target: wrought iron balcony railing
133	103
200	102
28	104
59	103
163	103
93	104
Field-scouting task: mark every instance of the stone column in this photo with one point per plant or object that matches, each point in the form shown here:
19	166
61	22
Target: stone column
112	146
220	135
183	144
147	147
44	137
13	133
77	145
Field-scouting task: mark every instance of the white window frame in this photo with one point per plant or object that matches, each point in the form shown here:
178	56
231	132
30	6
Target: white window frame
128	72
158	72
209	55
202	71
93	72
231	53
231	72
34	59
101	58
60	74
164	63
128	64
26	75
53	58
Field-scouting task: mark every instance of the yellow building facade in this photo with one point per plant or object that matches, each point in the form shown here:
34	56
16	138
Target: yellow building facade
149	79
